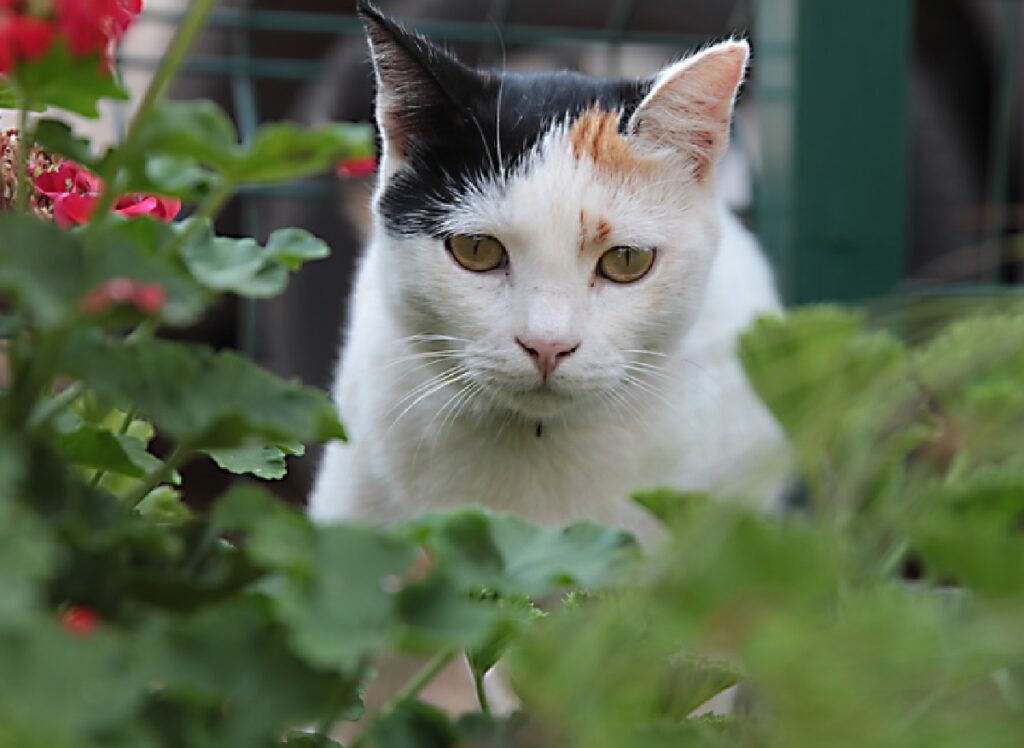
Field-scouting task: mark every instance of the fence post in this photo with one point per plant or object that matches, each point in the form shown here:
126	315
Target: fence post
833	90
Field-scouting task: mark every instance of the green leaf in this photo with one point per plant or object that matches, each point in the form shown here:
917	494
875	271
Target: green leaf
294	247
243	267
309	740
8	97
517	614
282	152
670	505
413	724
693	681
509	555
198	131
201	399
94	447
164	505
71	82
61	688
814	364
274	535
229	668
263	461
58	137
971	534
173	175
31	249
27	550
345	611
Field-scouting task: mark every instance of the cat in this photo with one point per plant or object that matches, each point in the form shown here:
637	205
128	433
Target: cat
545	319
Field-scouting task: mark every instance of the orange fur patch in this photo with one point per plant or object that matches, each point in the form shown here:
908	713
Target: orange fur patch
595	135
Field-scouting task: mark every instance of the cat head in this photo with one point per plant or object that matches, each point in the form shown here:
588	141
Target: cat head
551	230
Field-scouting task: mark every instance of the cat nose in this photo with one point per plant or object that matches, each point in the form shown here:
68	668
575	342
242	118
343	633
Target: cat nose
547	354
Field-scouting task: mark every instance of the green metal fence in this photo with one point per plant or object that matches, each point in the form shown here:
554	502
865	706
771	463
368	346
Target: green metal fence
832	88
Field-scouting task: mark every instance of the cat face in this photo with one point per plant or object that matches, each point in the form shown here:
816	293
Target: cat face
549	236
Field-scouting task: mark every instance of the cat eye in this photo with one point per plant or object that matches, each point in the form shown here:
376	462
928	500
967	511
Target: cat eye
477	252
625	264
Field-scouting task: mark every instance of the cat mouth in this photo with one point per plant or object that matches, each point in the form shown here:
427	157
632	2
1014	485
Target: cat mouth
541	401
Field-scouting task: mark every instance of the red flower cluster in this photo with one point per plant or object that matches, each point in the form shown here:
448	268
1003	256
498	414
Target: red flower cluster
79	621
357	167
88	27
148	298
74	192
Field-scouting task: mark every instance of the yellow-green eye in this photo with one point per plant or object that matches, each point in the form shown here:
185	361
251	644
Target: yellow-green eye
625	264
477	252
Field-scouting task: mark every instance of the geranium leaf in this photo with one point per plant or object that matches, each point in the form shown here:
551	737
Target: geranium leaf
507	554
94	447
294	247
414	724
283	151
242	266
197	130
74	83
263	461
57	137
85	261
202	399
233	657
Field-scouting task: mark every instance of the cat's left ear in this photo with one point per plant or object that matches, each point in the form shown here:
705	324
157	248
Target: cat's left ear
689	108
421	90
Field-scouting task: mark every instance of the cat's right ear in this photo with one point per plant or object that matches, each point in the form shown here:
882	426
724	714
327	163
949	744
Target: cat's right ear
421	89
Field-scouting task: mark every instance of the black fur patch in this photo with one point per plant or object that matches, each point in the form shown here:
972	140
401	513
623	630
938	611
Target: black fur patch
447	122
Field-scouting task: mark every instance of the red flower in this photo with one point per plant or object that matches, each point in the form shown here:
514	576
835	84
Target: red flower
80	621
74	192
22	37
357	167
162	208
148	298
93	25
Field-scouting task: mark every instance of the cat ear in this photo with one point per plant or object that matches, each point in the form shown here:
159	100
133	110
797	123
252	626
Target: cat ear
689	108
420	87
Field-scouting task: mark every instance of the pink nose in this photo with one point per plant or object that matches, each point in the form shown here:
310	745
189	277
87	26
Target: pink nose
547	354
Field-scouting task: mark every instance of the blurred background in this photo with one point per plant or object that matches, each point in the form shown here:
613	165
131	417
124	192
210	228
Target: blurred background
878	146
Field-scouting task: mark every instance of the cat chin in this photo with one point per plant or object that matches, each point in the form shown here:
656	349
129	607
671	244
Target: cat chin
542	403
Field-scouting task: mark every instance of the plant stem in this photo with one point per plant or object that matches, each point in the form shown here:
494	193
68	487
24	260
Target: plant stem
481	693
208	208
158	476
22	181
44	413
412	689
181	43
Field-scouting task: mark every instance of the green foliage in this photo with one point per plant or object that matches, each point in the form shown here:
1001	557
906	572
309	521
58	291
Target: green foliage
242	266
129	619
904	453
62	80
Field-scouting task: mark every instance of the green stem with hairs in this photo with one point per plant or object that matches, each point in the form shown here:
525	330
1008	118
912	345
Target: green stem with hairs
48	410
23	184
161	475
181	43
481	692
412	689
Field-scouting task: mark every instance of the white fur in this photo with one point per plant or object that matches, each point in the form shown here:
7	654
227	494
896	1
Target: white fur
687	419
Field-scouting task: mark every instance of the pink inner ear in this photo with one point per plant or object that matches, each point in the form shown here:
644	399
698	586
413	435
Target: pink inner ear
716	76
691	105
